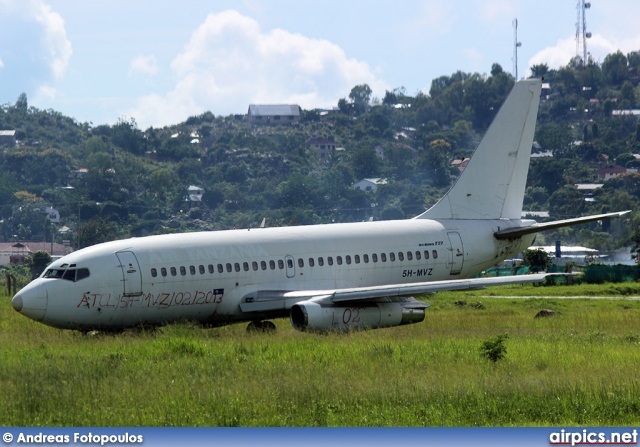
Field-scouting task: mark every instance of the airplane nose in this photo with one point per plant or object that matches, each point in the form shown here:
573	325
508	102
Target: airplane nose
31	301
16	302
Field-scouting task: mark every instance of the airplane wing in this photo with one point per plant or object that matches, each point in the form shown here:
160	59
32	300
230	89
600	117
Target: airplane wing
537	227
272	300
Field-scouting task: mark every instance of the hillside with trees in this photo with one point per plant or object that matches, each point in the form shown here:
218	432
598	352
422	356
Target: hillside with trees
116	181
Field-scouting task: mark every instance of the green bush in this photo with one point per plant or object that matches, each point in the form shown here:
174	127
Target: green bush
494	349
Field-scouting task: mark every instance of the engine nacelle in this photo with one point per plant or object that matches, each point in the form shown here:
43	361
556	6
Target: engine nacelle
322	317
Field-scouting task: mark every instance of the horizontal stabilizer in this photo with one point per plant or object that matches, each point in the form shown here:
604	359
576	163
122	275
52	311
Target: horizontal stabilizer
515	232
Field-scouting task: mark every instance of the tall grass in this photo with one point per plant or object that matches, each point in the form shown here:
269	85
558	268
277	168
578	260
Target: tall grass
579	367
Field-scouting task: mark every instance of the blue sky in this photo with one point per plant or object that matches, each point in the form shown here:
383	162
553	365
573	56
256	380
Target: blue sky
162	61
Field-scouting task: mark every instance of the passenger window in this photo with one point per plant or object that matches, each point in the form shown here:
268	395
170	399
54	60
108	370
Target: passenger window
330	260
409	256
192	269
300	262
290	263
400	256
435	254
254	265
426	254
263	265
383	257
365	258
236	266
418	255
163	271
339	260
220	268
356	259
201	269
229	267
173	271
154	273
374	257
245	266
183	270
311	262
211	269
320	261
348	259
280	264
272	264
392	256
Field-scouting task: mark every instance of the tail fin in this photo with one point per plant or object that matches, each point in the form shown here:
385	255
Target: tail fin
493	183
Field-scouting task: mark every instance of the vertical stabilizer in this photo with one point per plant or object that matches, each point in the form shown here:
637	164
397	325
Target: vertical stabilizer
493	183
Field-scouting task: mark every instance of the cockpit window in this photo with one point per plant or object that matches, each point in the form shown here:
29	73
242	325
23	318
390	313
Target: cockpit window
73	275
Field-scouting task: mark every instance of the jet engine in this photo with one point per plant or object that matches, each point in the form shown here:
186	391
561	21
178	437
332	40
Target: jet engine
323	317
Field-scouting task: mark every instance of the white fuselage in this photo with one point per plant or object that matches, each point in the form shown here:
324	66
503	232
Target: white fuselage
207	276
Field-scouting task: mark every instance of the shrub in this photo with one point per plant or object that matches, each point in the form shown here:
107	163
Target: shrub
494	348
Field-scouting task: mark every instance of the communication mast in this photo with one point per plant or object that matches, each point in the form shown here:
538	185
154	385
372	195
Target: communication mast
581	31
516	44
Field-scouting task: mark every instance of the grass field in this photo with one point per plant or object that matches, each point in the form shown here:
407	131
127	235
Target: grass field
578	367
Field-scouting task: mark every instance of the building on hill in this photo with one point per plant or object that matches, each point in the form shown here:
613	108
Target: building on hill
370	184
16	252
7	138
194	196
273	114
460	163
323	147
612	171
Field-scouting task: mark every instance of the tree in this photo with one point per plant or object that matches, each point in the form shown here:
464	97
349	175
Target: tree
536	259
126	135
614	68
566	202
435	163
539	70
37	262
22	105
360	96
95	231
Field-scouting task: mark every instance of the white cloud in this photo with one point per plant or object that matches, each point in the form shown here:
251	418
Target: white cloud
40	33
55	43
598	46
496	10
1	64
474	58
229	63
143	65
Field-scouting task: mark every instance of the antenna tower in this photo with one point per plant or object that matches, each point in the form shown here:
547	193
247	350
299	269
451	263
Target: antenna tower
516	44
581	31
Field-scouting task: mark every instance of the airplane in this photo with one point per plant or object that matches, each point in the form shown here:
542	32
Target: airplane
331	277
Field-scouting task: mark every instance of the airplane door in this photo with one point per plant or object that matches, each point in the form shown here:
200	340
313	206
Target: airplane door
131	275
290	266
457	253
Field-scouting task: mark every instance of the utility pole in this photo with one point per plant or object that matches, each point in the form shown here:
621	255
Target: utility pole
516	45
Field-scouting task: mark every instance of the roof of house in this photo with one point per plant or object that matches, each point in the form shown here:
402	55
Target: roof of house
317	141
612	169
375	181
31	247
274	110
7	133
